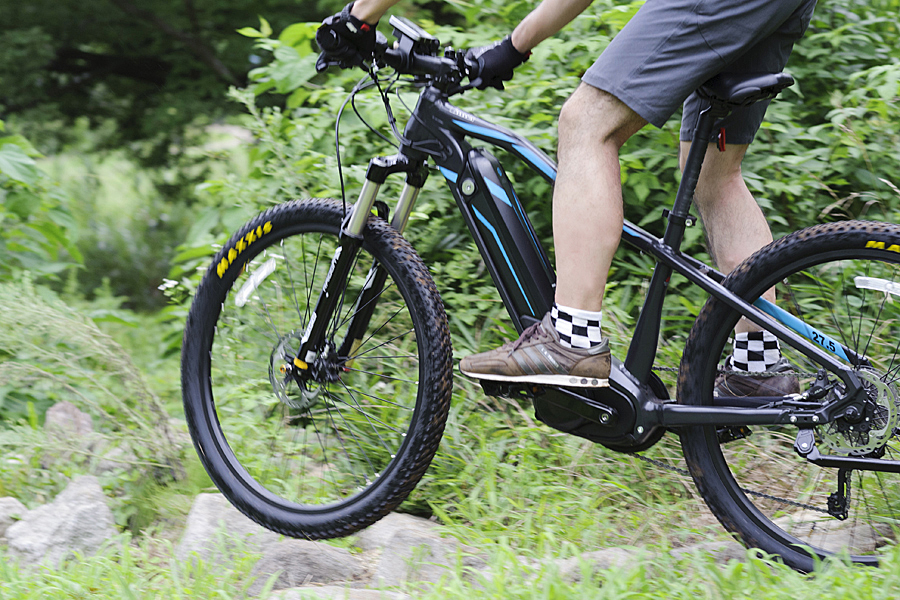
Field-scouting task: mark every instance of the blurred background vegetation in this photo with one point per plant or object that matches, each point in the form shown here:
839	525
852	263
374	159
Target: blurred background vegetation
135	136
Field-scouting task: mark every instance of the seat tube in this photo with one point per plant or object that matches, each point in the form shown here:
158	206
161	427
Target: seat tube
691	175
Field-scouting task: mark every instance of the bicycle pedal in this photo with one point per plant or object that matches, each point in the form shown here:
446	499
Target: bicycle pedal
731	434
503	389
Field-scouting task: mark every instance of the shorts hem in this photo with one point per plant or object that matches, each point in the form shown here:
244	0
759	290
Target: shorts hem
646	112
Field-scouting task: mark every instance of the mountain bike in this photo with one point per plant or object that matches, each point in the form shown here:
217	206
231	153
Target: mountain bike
317	363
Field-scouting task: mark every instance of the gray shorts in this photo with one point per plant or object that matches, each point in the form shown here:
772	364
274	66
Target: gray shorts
671	47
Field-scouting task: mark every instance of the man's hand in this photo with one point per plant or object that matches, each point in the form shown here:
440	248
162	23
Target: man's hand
493	64
344	40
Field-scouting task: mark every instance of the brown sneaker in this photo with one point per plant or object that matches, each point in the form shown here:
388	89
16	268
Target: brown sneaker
743	383
539	357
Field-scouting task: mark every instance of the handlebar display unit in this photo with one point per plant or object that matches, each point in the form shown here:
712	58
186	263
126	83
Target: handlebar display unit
424	41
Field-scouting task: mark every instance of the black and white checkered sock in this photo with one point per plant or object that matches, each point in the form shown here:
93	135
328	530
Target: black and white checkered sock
755	351
577	328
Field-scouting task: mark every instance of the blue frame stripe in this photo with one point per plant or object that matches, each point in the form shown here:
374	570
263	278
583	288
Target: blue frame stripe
484	131
498	192
493	231
811	333
448	174
536	161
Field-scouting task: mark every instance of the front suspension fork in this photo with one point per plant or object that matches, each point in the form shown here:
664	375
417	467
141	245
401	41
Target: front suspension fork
313	342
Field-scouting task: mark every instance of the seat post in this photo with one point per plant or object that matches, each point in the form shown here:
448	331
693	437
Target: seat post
691	175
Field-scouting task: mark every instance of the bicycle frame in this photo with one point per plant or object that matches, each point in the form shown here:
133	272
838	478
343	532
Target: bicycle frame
525	279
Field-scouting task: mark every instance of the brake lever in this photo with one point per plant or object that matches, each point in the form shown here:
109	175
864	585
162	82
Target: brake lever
323	63
330	40
463	88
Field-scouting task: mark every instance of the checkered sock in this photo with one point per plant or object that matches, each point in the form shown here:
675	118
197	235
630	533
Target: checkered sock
755	351
577	328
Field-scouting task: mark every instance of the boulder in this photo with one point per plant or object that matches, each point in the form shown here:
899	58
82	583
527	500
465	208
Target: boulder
215	529
78	520
11	511
414	555
571	569
65	420
380	533
299	562
720	552
335	593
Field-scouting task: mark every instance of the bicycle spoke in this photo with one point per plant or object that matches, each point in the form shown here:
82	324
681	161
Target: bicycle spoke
380	376
314	442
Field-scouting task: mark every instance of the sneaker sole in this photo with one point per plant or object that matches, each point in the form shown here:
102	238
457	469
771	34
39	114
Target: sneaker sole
562	380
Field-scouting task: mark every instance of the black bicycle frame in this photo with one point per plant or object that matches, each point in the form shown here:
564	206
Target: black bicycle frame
522	272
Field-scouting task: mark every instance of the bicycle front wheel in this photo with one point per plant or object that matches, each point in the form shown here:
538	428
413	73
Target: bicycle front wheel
842	279
328	455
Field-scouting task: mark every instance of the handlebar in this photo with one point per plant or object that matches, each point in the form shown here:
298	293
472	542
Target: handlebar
416	53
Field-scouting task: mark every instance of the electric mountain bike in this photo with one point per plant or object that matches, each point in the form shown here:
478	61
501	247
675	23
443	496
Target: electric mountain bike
317	364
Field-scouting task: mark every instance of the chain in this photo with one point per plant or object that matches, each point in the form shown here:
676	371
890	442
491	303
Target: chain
687	473
759	375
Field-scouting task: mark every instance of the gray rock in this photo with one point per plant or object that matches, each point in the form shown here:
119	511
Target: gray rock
11	511
608	558
64	419
830	534
115	460
412	555
336	593
379	534
78	520
215	528
721	552
299	562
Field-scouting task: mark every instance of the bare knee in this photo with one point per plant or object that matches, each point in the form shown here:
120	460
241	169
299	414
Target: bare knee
591	115
721	176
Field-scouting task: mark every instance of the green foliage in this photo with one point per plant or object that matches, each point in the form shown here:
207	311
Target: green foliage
123	570
828	149
151	66
507	481
51	353
36	226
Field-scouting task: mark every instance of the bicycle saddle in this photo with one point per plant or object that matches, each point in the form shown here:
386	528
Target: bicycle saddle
743	89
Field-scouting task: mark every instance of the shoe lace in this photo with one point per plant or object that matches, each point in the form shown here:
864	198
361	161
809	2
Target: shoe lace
529	333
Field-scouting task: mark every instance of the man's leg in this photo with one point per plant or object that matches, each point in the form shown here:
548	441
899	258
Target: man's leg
587	198
735	225
736	228
565	348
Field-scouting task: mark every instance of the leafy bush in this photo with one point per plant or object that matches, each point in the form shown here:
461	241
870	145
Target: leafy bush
51	353
37	230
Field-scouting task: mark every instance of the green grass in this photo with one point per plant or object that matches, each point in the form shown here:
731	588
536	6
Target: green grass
654	576
126	571
521	494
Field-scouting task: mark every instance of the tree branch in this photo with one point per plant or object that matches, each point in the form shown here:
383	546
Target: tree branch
196	46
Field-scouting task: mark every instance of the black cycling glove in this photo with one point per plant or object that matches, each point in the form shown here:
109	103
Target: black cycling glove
493	64
344	40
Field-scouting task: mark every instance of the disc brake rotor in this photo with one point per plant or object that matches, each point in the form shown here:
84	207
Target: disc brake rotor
281	375
881	416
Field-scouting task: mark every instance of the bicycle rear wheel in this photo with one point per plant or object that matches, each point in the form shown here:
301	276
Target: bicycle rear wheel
328	456
843	280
